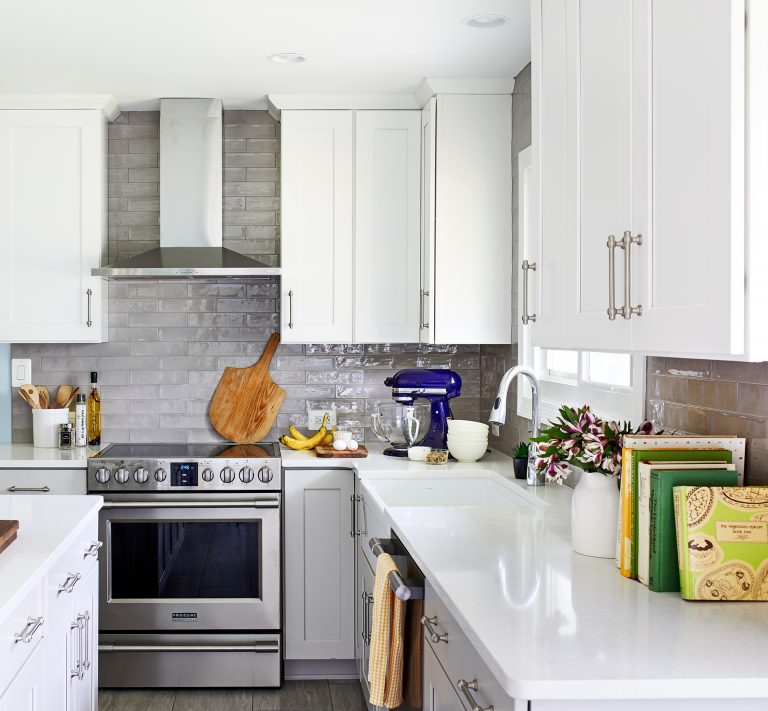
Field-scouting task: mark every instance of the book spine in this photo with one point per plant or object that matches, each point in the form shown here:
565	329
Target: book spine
653	560
626	513
643	525
681	526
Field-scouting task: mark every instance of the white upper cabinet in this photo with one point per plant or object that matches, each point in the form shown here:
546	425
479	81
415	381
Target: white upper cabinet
52	225
470	297
427	287
692	258
651	190
317	188
387	229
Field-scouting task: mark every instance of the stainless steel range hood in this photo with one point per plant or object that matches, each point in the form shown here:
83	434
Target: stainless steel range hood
190	201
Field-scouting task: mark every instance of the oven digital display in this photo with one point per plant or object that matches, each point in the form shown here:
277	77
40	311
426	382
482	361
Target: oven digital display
183	473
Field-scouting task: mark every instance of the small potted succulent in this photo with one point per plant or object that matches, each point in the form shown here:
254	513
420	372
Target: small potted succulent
520	463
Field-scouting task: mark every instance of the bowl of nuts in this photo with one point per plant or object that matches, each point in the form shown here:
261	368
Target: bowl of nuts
437	456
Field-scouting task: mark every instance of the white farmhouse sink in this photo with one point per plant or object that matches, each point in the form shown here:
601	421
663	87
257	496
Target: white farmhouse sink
444	491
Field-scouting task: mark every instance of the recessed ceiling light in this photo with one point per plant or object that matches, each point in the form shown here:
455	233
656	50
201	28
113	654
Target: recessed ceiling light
486	22
287	58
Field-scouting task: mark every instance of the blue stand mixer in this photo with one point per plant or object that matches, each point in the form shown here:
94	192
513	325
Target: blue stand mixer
437	386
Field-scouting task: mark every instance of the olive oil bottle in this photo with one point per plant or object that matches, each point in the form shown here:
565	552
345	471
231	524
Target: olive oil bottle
93	415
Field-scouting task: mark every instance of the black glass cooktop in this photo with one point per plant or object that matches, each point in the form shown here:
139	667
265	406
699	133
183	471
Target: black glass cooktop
260	450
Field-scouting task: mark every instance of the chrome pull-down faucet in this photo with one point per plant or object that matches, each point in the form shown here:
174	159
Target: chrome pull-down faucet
498	417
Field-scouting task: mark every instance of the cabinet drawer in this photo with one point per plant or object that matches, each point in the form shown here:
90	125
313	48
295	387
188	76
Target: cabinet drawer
459	659
27	622
42	481
77	560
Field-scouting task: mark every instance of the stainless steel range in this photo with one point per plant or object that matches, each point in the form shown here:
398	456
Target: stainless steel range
190	579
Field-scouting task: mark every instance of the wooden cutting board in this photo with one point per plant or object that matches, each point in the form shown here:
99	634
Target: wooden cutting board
326	451
246	401
8	531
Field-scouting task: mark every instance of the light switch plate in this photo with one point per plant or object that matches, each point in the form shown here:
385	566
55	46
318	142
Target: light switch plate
315	418
21	371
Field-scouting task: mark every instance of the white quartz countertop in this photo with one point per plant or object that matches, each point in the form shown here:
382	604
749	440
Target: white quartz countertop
47	526
552	624
27	456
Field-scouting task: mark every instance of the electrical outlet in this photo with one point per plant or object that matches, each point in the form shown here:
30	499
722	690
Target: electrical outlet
315	418
21	372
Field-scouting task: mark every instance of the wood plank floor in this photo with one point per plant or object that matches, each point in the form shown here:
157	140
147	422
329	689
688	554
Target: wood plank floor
294	696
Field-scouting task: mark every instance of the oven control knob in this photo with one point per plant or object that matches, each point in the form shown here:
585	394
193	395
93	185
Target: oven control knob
122	475
227	475
102	475
141	475
265	475
160	474
207	474
246	475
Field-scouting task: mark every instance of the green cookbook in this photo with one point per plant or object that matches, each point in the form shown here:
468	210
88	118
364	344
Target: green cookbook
722	542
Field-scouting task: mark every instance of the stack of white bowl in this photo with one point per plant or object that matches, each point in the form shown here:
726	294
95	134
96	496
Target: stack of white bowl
467	440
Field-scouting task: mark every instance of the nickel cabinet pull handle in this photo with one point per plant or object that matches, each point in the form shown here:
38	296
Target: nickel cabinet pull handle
612	244
86	639
26	635
19	489
78	671
465	687
69	584
422	322
93	549
427	622
353	529
367	602
89	294
290	309
628	310
527	266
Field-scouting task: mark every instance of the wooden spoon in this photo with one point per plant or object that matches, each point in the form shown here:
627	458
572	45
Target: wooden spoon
44	396
62	395
71	397
30	395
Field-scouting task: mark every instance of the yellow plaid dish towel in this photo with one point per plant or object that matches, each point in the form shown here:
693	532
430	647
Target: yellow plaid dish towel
385	670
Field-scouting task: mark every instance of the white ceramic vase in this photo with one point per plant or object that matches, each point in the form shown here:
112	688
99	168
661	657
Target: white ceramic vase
594	515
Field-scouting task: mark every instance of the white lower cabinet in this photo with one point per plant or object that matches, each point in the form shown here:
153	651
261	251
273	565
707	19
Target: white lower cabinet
475	686
27	482
48	643
363	617
651	705
319	564
26	690
439	692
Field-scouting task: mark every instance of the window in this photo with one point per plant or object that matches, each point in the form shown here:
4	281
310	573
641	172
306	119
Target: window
613	384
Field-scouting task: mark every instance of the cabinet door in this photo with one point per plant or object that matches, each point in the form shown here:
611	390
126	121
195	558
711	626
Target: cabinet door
439	694
473	220
387	226
25	692
319	564
599	163
85	643
542	188
427	290
364	616
692	256
52	228
316	234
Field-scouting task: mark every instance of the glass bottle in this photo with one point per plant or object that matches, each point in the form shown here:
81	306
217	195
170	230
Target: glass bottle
94	412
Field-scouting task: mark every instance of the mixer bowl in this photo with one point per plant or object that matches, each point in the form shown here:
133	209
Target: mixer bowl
401	426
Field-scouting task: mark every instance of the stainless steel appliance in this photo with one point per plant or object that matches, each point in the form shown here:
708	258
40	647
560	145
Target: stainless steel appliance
190	576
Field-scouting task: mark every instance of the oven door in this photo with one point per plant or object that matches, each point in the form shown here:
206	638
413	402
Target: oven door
190	563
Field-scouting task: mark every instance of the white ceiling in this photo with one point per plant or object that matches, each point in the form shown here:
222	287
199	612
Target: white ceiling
140	50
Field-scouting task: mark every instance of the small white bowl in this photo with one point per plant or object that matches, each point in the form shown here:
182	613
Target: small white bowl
468	441
418	454
466	453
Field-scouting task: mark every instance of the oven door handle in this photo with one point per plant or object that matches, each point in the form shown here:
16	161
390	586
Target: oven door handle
266	503
270	647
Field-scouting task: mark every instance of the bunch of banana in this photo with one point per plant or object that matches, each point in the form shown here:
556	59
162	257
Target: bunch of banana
296	440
